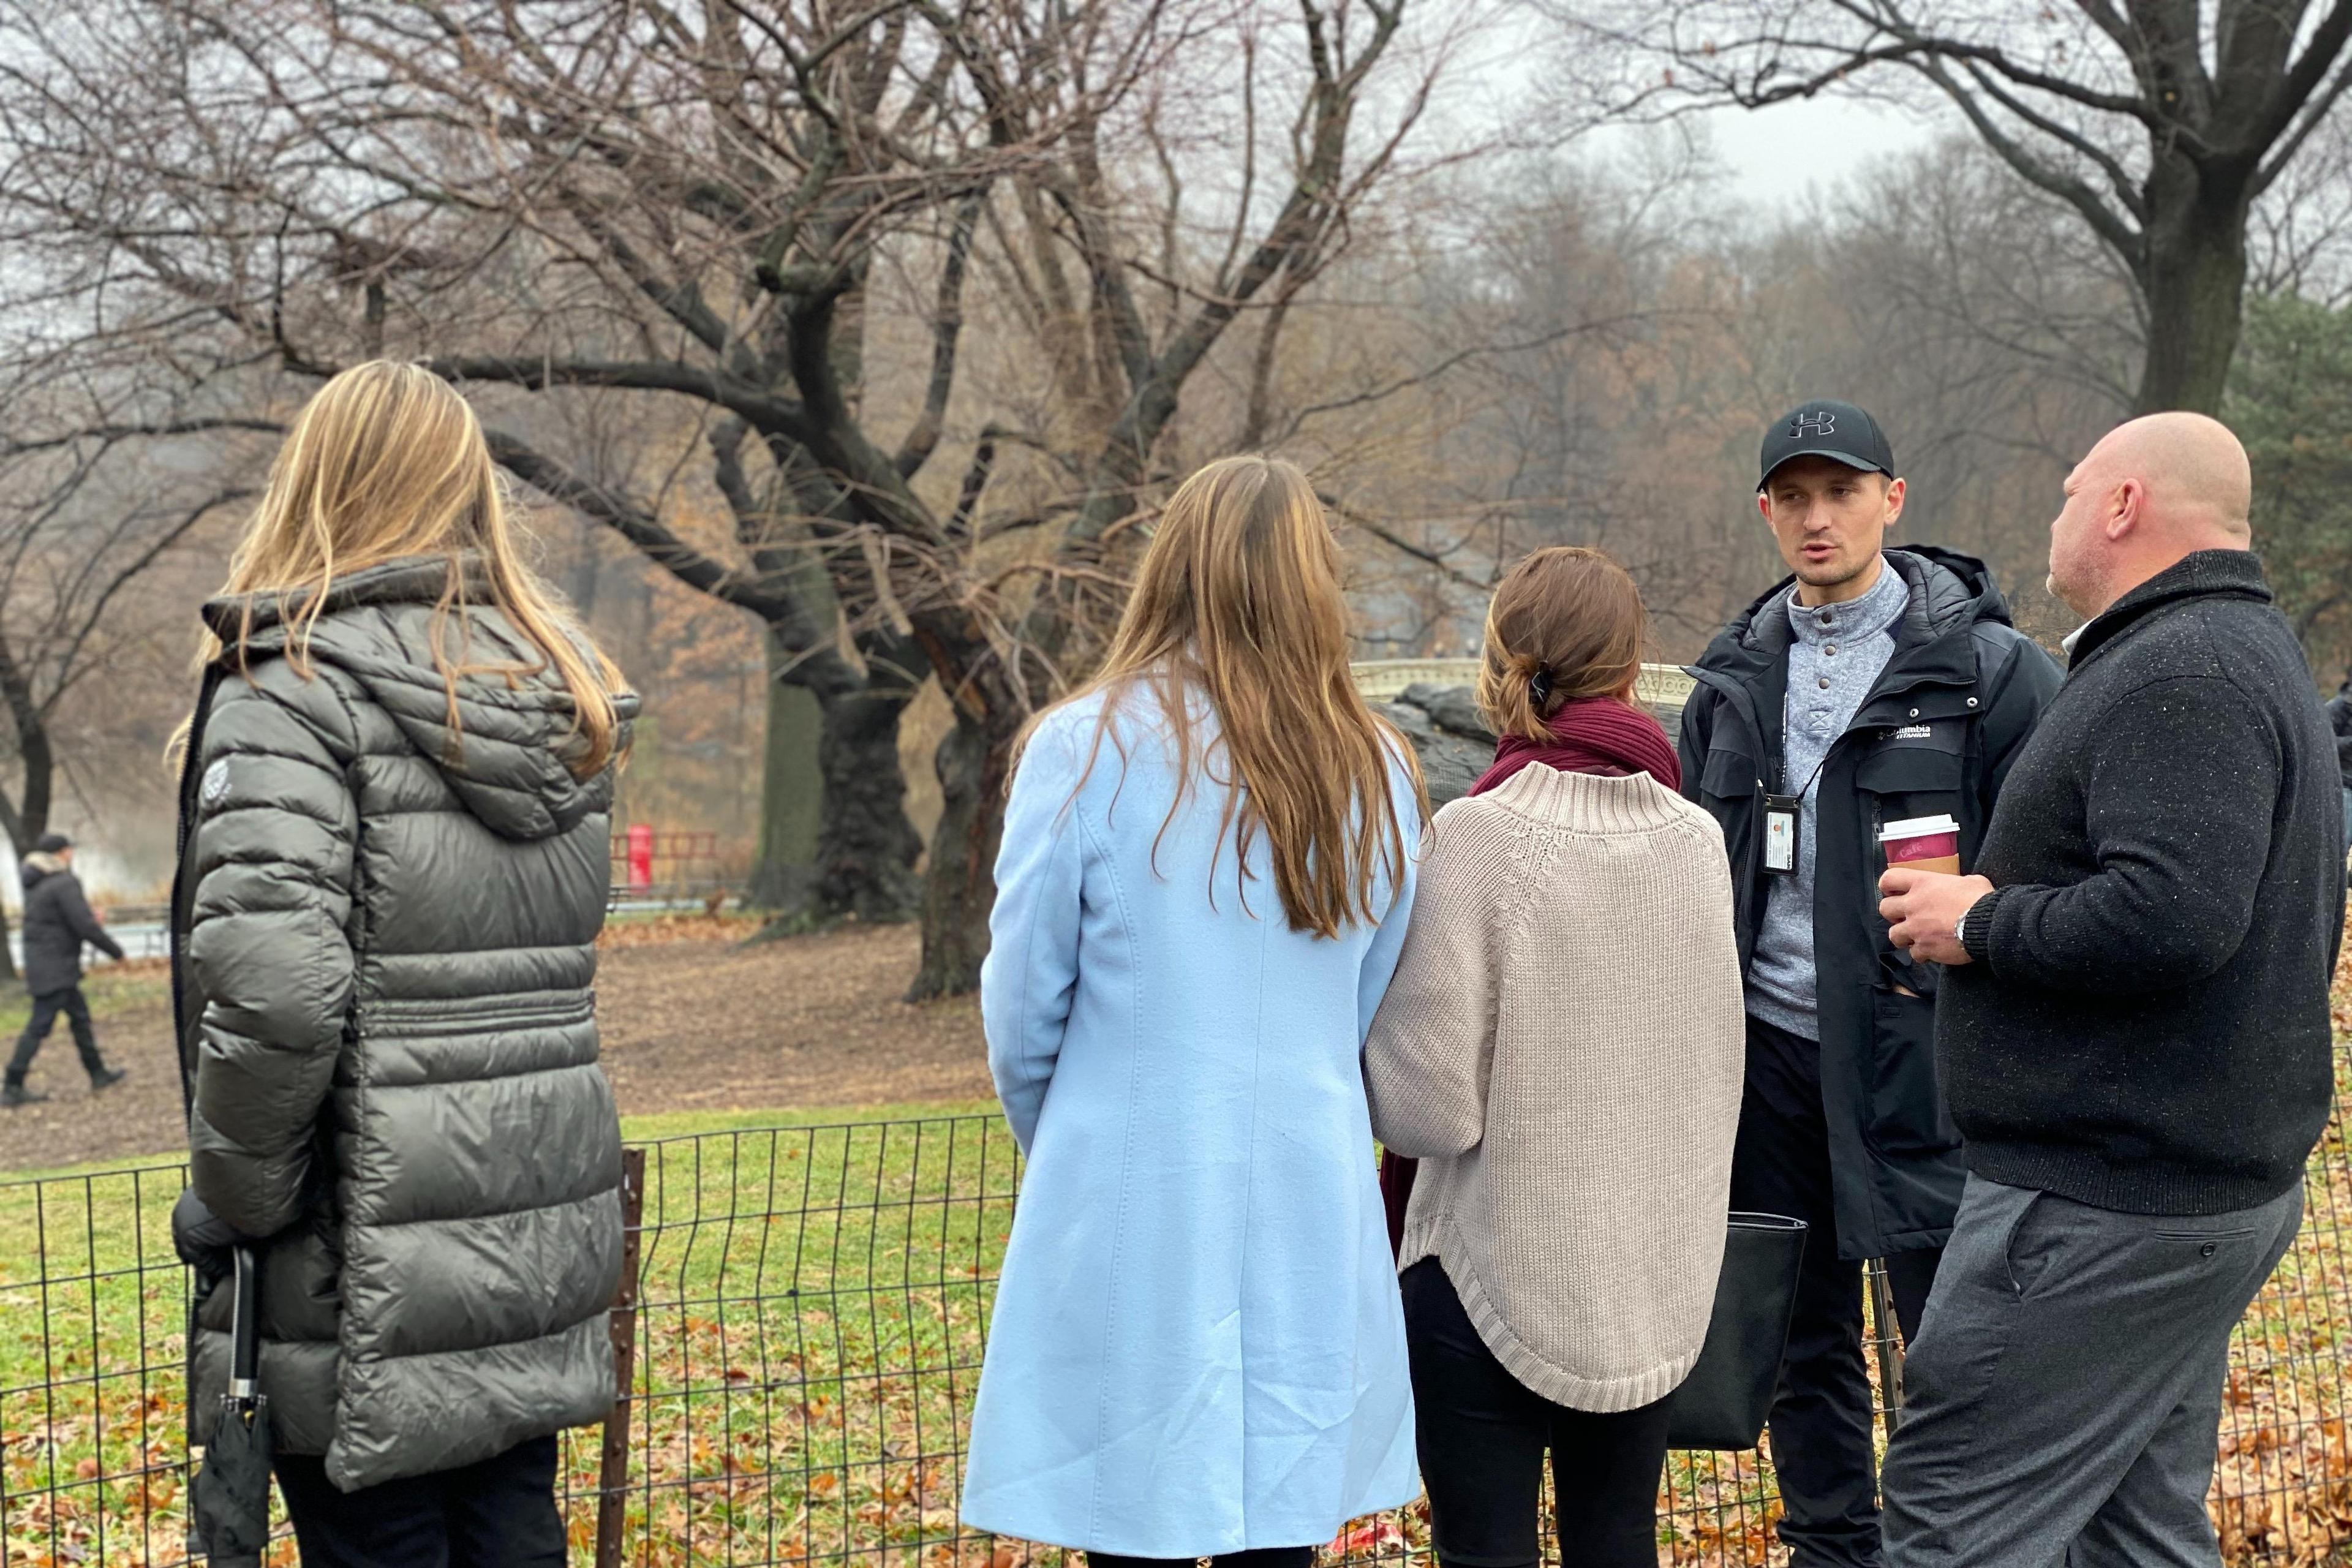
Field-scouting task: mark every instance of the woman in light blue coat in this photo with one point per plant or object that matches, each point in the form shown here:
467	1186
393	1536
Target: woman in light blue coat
1207	868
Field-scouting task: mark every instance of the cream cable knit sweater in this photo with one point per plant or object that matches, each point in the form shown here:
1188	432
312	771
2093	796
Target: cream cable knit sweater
1563	1049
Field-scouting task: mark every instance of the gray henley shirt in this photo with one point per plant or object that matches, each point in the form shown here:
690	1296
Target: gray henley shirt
1838	654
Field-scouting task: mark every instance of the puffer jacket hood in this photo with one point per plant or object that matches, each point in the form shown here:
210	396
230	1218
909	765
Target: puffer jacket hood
37	865
509	759
383	955
1948	589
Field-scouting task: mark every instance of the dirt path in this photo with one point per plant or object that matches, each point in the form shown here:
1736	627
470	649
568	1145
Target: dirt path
814	1020
690	1023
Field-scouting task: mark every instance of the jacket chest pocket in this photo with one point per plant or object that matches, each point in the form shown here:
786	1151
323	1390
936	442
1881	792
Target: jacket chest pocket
1730	775
1901	780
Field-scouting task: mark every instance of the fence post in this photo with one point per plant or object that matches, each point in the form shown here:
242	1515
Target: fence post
1887	1335
612	1473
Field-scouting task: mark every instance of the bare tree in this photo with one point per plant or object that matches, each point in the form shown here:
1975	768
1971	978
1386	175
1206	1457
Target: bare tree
72	540
705	208
2160	123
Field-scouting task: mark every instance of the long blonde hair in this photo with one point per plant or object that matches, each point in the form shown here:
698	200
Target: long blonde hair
1239	598
387	462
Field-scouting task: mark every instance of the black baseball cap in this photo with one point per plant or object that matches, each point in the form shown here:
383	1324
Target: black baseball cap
1825	427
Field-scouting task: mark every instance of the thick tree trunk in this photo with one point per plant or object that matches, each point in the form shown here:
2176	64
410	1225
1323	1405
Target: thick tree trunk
834	841
792	791
960	885
2196	282
866	848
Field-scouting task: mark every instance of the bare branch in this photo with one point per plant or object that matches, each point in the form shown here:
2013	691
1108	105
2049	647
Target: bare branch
947	328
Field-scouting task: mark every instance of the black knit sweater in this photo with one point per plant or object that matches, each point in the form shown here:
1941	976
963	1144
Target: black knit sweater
2146	1026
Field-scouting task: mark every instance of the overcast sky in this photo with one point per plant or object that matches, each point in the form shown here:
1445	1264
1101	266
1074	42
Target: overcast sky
1772	157
1775	156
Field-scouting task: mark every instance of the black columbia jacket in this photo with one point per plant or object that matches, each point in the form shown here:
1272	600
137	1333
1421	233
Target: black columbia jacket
1936	734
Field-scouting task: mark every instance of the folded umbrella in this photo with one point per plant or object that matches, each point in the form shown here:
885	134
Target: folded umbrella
229	1504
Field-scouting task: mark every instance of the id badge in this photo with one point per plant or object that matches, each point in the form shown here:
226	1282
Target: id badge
1781	812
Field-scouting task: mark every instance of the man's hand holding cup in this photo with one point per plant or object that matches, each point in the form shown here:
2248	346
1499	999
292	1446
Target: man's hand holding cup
1922	897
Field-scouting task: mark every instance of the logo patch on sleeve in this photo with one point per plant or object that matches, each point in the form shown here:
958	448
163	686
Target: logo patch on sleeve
215	782
1908	733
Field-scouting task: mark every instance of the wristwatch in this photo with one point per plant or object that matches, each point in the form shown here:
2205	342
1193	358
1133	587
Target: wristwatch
1960	930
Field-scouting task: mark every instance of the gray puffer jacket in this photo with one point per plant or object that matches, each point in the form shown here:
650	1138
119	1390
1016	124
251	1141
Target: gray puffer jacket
383	944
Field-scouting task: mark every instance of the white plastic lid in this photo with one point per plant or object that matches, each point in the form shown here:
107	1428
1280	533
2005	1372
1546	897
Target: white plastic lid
1918	827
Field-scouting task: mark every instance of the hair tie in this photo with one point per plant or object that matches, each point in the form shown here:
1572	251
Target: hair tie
1539	686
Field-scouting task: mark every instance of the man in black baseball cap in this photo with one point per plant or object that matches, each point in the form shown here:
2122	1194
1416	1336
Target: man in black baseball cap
58	921
1871	687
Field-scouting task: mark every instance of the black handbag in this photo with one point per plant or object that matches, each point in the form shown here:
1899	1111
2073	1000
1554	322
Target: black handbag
1724	1401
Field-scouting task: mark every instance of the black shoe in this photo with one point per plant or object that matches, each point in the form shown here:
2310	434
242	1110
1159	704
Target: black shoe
106	1078
17	1094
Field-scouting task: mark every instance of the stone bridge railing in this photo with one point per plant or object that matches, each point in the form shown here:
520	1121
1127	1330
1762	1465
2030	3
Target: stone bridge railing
1431	700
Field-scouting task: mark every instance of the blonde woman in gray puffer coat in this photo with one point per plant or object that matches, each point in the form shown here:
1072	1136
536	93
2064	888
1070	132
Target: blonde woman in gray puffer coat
394	821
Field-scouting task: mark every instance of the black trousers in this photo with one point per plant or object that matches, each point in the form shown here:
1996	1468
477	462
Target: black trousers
1821	1426
45	1008
497	1513
1482	1438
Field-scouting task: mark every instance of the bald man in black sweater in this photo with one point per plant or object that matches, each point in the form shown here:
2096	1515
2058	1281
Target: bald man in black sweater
2133	1033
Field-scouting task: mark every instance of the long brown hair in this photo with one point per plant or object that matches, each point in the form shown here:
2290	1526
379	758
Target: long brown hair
1565	623
1239	598
387	462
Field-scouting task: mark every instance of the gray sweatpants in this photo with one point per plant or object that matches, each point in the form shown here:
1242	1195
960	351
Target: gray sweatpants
2063	1398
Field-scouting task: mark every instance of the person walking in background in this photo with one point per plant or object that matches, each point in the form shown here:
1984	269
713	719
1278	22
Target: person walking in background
2134	1031
1570	981
394	812
1207	868
1872	686
58	923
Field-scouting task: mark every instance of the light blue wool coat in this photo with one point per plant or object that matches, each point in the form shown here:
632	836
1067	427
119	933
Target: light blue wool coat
1197	1345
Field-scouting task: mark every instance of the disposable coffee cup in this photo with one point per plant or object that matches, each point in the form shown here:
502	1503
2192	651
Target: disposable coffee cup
1923	844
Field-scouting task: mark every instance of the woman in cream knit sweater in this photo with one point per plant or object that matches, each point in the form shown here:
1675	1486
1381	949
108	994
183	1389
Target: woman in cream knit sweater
1561	1049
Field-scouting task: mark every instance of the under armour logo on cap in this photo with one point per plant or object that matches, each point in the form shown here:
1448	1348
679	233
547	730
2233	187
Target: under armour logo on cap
1826	428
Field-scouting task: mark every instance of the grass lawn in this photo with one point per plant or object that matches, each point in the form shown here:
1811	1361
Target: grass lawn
814	1285
814	1289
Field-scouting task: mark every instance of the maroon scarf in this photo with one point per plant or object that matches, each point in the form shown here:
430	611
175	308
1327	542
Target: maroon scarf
1590	735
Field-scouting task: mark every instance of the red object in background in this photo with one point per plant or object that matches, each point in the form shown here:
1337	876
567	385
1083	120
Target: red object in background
640	856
